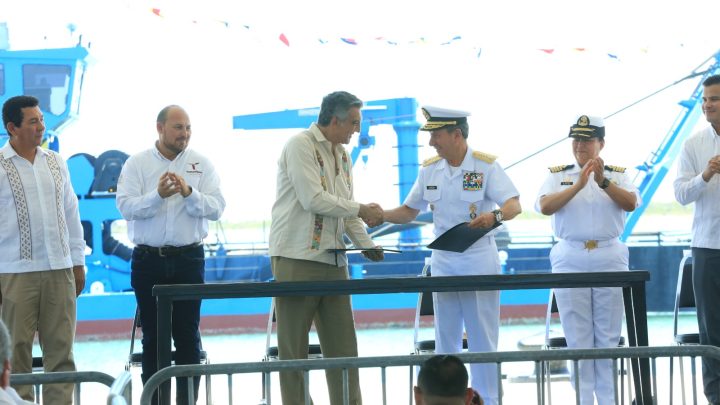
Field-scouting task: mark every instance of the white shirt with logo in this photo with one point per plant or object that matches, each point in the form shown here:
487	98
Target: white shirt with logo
173	221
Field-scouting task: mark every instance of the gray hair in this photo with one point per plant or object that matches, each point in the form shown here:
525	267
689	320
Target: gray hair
464	128
5	349
337	104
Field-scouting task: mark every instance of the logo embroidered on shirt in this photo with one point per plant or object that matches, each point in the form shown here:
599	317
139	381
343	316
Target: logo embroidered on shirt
194	168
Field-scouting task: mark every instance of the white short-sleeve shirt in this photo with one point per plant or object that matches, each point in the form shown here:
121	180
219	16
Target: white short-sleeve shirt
478	185
591	214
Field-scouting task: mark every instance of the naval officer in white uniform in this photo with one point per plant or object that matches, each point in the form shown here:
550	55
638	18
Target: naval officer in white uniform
462	185
588	201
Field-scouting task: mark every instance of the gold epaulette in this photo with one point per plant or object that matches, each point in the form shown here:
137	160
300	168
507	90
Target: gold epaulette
428	162
615	168
485	157
561	168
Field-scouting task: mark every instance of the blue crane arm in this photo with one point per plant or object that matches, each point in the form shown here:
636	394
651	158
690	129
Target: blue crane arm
652	172
399	112
375	112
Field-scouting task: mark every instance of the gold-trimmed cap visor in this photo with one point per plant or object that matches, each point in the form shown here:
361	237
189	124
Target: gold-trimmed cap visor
438	118
587	127
433	125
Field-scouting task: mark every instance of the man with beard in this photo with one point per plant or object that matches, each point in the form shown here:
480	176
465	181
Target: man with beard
167	194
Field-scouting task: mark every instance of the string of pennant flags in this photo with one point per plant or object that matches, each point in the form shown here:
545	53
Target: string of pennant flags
288	40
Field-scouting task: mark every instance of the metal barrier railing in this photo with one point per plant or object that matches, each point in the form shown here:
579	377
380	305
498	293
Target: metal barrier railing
538	357
632	283
121	390
75	377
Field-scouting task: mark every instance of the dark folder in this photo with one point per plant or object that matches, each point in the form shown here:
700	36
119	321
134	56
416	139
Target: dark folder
460	237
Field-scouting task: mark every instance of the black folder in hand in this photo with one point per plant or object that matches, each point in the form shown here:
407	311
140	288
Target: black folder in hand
364	249
460	237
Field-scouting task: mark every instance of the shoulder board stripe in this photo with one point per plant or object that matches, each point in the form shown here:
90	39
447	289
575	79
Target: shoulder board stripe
432	160
561	168
615	168
485	157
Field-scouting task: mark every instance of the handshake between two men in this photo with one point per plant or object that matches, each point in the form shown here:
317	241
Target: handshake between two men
373	215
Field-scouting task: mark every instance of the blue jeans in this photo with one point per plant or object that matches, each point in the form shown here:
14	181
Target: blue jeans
149	269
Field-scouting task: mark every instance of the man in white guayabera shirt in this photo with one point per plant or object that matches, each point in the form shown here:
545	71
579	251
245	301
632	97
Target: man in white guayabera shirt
42	250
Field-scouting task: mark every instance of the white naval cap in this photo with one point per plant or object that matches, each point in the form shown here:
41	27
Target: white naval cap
441	117
588	126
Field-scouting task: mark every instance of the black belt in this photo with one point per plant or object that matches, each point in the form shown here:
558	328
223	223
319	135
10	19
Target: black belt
167	250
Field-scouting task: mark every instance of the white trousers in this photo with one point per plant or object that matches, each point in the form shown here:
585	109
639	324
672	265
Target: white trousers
591	317
475	312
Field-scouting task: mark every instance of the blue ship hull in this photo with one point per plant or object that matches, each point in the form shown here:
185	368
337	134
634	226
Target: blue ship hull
110	314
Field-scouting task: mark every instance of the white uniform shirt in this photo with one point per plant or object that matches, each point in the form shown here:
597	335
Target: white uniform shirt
476	187
314	203
39	219
173	221
690	187
590	214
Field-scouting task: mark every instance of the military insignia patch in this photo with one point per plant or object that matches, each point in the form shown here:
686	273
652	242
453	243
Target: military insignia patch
432	160
583	121
617	169
473	211
485	157
472	181
561	168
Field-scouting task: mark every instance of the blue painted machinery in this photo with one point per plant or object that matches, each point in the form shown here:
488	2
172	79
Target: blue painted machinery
95	182
54	76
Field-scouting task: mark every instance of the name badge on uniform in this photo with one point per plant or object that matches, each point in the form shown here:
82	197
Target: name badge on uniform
431	187
472	181
566	182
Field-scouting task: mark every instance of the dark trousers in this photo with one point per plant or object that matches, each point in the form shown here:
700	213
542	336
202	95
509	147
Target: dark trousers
706	283
149	269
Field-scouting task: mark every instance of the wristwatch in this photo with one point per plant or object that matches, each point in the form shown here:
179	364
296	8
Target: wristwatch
605	183
498	216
